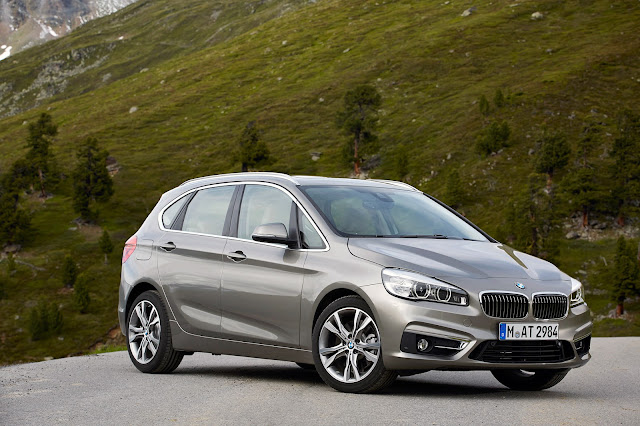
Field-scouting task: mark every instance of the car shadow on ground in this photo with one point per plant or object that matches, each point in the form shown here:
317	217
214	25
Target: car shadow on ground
415	386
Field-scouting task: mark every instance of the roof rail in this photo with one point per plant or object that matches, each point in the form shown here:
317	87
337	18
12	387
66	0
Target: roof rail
396	183
246	174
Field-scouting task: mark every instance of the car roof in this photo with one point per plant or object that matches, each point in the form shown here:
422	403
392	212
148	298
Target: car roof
286	179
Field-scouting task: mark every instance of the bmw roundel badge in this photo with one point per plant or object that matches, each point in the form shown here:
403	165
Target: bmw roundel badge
520	286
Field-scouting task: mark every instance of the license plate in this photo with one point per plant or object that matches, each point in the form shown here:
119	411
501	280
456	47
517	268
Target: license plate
528	331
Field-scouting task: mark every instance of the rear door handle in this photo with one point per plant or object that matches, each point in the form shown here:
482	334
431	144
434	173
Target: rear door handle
168	246
236	256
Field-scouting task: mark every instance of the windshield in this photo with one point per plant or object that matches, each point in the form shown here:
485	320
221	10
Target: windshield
357	211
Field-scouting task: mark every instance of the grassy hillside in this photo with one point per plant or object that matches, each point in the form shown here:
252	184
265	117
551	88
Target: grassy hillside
289	72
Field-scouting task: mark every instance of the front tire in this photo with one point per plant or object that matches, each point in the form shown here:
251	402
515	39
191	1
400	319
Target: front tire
149	335
534	380
347	348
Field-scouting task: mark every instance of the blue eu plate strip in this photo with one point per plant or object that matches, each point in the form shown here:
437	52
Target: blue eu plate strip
503	331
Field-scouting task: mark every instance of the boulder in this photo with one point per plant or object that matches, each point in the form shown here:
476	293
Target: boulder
572	235
536	16
469	11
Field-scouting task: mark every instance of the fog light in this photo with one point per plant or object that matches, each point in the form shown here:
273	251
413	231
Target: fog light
423	345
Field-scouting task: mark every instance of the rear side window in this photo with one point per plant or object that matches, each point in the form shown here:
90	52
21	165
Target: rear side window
171	213
207	211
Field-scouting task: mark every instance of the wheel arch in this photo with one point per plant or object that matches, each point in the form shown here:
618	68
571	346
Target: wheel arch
335	293
136	291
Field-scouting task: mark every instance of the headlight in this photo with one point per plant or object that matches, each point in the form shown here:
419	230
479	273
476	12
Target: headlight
577	293
414	286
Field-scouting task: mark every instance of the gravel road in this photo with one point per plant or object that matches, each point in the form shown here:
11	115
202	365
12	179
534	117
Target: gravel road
206	389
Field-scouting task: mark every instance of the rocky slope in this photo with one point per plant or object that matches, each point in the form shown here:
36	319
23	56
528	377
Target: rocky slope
24	23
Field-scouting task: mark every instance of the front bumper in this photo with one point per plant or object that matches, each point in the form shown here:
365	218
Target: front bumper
467	324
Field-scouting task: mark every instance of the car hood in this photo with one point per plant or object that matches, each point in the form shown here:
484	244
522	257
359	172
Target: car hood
443	258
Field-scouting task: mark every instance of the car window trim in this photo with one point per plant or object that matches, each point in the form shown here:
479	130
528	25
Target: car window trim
179	219
191	194
236	216
235	213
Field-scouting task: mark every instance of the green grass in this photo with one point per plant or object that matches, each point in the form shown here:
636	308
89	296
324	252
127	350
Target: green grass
109	348
207	78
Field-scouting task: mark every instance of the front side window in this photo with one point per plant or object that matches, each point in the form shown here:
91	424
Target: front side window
356	211
260	205
207	211
309	237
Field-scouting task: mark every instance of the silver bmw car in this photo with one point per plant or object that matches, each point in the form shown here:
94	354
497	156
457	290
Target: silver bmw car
363	280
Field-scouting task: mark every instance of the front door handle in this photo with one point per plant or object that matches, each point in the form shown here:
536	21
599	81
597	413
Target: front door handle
236	256
168	246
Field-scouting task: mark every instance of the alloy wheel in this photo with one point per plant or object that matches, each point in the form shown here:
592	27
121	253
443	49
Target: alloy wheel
349	345
144	331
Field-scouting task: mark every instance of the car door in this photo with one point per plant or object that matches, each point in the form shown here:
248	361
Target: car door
190	257
262	282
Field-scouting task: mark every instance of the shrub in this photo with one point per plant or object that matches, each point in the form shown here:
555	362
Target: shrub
106	246
44	320
499	100
483	105
3	286
493	138
81	296
454	190
69	272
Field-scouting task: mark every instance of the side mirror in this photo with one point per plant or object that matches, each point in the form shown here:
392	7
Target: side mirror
275	233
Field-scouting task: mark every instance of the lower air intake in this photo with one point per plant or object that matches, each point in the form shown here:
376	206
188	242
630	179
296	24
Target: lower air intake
509	352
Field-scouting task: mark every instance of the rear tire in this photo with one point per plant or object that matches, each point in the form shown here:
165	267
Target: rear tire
529	380
149	335
347	348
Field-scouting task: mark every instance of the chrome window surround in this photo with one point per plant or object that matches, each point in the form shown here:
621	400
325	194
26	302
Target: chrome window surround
213	185
244	174
529	302
395	183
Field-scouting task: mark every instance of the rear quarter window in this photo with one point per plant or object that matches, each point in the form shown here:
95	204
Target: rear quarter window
172	211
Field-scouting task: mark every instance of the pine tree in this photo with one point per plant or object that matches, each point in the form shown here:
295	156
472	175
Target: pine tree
252	151
15	222
626	172
39	140
581	188
531	225
91	179
69	272
625	274
454	191
401	162
493	138
358	119
3	286
553	155
106	246
45	319
11	263
499	100
81	296
39	321
55	318
483	105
